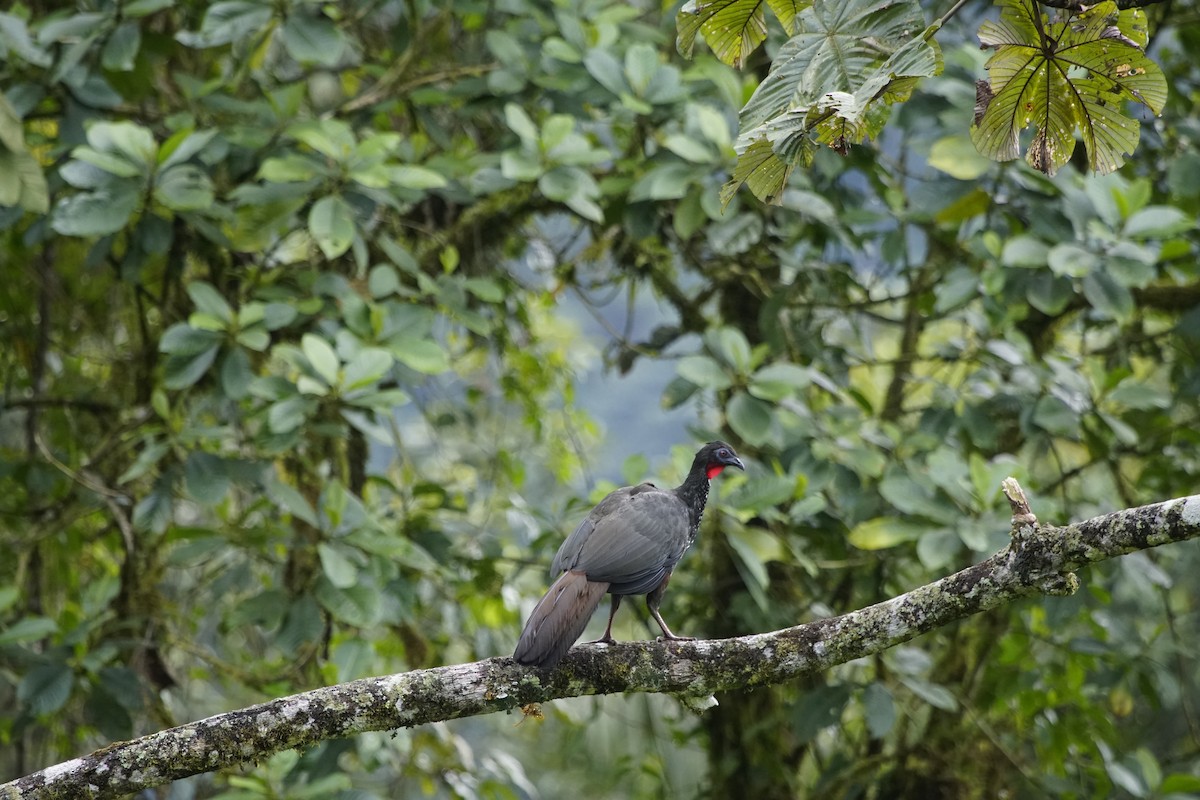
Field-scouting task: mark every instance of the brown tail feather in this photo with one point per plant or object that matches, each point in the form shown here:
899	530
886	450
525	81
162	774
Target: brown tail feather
558	620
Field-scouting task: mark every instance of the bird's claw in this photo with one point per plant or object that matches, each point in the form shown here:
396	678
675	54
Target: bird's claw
674	638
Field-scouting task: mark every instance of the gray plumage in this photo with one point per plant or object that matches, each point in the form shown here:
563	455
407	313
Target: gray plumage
628	545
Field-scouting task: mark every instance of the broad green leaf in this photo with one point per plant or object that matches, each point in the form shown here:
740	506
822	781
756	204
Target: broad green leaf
367	366
410	176
95	213
184	187
1159	222
1055	416
331	223
957	157
206	477
732	28
779	380
46	687
704	372
181	372
127	139
932	693
880	710
1109	297
1071	260
329	137
182	146
227	22
29	629
884	532
1060	76
731	346
322	357
749	417
839	47
422	355
182	339
337	566
209	301
1024	251
122	47
311	37
357	605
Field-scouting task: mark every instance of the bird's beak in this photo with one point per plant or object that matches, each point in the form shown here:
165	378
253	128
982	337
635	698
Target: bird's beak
737	462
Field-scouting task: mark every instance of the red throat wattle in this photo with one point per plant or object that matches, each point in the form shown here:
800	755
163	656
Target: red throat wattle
714	470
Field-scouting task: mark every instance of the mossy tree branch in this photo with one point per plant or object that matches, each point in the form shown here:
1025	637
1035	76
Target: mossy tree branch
1038	560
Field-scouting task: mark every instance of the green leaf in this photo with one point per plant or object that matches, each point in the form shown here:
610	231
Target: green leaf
46	688
228	22
206	477
182	339
1055	416
290	413
957	157
763	492
181	372
331	223
1110	298
884	532
357	605
95	213
1071	260
184	187
1058	77
332	138
879	709
779	380
368	366
422	355
607	71
311	37
750	418
182	146
1158	222
933	694
521	124
763	171
236	374
731	346
410	176
128	139
1024	251
732	28
322	357
29	629
704	372
337	566
209	301
122	47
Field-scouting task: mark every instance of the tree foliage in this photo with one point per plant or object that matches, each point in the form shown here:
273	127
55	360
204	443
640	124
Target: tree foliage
292	394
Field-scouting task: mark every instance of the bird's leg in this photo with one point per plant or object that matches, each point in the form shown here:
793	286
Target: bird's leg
652	601
607	637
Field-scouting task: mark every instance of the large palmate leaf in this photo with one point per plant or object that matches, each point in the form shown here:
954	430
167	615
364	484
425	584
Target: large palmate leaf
733	28
1074	73
830	84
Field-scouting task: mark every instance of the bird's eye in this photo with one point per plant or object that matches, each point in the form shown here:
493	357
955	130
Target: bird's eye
723	453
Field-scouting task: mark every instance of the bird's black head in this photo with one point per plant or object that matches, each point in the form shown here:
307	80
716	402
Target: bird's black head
716	456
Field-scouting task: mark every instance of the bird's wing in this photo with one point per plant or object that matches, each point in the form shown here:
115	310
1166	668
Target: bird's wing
632	540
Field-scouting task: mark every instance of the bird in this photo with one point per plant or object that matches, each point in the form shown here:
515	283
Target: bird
628	545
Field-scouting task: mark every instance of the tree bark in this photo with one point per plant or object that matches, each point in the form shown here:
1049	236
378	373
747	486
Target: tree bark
1038	560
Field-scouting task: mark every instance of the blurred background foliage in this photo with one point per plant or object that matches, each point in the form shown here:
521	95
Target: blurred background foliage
328	322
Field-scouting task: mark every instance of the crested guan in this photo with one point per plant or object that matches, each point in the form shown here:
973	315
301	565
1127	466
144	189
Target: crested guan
628	545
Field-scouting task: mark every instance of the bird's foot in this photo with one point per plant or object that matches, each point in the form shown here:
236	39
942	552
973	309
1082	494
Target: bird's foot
605	639
673	638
